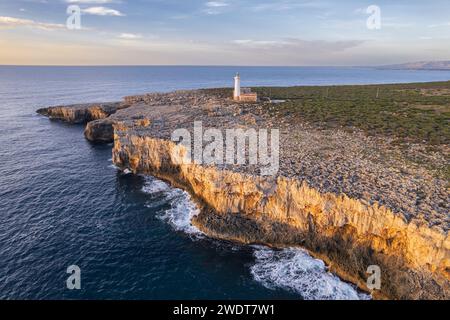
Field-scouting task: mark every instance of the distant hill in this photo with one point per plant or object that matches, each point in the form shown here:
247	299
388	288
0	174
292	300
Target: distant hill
421	65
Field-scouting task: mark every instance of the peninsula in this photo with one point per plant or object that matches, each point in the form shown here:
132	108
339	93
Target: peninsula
363	173
420	65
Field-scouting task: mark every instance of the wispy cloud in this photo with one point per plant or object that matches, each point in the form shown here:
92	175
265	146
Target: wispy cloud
215	7
92	1
297	44
11	22
130	36
438	25
103	11
268	32
216	4
283	5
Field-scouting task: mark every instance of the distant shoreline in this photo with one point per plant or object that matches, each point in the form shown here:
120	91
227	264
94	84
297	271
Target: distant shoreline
411	69
419	65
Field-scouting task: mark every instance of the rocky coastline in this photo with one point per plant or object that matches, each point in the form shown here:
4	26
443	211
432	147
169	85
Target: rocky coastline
82	113
333	195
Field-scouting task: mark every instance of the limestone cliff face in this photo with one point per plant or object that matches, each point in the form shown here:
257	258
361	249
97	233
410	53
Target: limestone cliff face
100	131
82	113
347	234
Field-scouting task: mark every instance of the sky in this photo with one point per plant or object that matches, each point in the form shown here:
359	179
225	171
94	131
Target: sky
224	32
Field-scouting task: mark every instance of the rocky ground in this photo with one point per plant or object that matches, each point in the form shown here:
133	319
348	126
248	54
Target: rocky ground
371	169
326	195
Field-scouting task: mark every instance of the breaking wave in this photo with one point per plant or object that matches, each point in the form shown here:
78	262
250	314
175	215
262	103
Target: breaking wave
182	208
290	269
295	270
153	185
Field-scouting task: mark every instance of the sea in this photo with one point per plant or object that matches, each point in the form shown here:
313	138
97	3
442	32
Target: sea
63	203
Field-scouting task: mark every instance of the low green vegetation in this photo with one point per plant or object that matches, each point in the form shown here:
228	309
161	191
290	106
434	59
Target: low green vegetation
417	112
409	112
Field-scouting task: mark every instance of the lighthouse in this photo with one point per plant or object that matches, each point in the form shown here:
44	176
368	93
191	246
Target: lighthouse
243	94
237	87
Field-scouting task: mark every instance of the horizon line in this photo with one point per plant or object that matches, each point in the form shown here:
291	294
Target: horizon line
185	65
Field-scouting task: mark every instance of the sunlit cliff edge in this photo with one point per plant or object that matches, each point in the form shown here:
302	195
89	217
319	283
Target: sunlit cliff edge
344	228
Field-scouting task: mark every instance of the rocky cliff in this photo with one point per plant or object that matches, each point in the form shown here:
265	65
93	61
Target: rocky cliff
322	199
82	113
344	232
100	131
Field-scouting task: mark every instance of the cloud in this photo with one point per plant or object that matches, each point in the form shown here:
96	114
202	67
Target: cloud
214	7
297	44
284	5
447	24
111	50
92	1
211	11
259	43
290	51
216	4
103	11
11	22
130	36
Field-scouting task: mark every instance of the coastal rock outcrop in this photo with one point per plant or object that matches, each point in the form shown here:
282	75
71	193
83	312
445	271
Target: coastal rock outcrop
100	131
82	113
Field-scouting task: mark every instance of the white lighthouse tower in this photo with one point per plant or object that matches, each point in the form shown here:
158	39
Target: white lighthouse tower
237	87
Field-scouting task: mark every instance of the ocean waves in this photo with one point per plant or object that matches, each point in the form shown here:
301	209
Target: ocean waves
182	208
291	269
295	270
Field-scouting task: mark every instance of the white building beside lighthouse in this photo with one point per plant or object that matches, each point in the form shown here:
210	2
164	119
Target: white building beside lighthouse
244	94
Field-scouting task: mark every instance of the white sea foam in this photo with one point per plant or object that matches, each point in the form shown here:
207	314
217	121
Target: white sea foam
153	185
290	269
181	213
182	208
295	270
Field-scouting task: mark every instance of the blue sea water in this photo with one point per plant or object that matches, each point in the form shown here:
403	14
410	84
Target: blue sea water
63	203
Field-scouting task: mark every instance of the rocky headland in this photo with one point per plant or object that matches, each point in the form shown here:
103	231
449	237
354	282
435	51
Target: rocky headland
350	199
82	113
